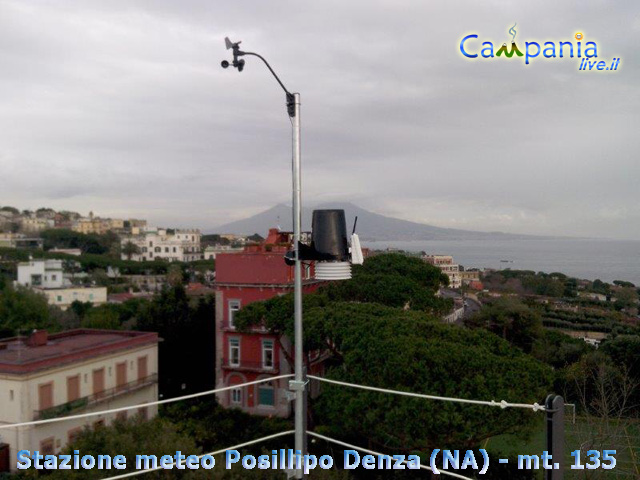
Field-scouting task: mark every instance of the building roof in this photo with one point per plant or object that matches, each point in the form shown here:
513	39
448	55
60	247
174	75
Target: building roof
41	351
198	289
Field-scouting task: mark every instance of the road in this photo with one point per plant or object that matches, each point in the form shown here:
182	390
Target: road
471	306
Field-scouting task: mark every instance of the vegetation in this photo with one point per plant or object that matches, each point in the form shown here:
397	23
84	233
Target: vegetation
380	329
130	249
87	243
129	438
511	319
383	329
527	282
89	262
22	310
187	350
603	383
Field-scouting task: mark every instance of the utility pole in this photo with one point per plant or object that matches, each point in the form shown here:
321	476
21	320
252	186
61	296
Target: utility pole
299	384
554	406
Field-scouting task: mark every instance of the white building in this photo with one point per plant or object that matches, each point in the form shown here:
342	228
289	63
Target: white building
174	246
64	297
41	274
77	371
446	265
47	277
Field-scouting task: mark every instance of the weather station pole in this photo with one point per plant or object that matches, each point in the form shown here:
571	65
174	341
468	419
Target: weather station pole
299	384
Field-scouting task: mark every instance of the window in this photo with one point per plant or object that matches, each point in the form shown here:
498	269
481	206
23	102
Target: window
266	394
234	306
174	249
36	280
166	249
267	354
234	352
72	435
73	388
59	298
98	382
142	369
47	446
121	376
236	396
45	394
54	278
158	249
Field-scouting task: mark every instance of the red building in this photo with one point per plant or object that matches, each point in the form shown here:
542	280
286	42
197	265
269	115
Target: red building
257	273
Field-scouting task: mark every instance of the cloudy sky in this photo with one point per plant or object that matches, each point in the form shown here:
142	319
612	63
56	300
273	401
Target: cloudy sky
121	107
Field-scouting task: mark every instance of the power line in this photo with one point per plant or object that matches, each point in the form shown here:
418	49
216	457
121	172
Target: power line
142	405
502	404
217	452
344	444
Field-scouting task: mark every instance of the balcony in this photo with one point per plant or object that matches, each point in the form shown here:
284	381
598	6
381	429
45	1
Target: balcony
245	366
84	402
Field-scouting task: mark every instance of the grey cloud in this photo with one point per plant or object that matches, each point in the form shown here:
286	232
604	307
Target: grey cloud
121	107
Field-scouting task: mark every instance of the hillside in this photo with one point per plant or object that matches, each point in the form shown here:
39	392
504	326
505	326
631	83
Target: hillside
371	226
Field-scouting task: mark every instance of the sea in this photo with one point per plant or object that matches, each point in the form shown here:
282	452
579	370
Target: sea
588	259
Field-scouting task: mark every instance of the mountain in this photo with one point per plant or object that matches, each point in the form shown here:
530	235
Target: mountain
371	226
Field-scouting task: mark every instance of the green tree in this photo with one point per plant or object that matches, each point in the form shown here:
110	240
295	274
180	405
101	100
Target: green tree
130	249
407	351
598	286
22	310
130	438
188	333
13	210
512	320
558	349
88	243
394	280
102	317
624	350
384	340
99	277
626	297
175	275
214	427
80	309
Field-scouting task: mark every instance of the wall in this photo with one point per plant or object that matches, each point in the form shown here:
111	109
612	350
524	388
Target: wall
63	297
23	403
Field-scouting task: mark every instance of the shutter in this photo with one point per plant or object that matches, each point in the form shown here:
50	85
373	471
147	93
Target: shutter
73	388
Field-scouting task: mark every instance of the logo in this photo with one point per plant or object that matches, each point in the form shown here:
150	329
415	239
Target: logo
472	47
